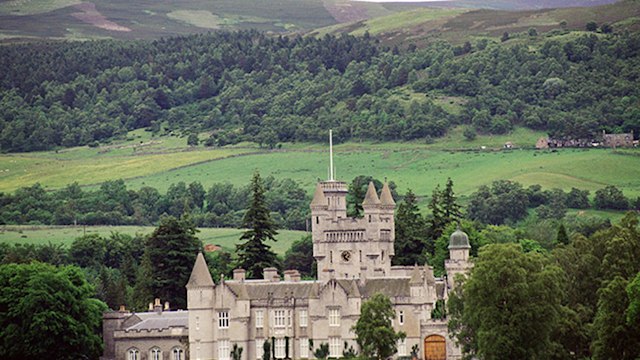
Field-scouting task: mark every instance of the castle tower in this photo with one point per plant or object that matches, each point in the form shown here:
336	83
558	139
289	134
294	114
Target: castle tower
458	262
351	248
200	303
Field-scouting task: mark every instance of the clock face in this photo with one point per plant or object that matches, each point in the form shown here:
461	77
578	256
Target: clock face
346	256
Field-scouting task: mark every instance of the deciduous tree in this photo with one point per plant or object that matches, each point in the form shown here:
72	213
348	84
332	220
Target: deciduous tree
510	305
48	313
374	333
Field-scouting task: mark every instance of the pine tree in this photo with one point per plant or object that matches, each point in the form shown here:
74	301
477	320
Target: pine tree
167	262
410	232
450	207
254	255
437	220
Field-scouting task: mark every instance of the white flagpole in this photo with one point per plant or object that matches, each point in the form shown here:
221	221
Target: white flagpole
331	156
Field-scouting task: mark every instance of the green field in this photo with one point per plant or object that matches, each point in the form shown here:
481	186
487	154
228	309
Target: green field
226	238
159	162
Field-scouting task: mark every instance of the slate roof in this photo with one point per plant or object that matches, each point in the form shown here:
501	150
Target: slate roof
391	287
371	198
385	195
200	275
157	321
278	290
318	197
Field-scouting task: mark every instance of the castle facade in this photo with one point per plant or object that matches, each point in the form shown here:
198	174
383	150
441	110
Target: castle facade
354	263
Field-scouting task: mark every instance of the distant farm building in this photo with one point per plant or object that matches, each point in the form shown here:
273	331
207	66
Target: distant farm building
617	140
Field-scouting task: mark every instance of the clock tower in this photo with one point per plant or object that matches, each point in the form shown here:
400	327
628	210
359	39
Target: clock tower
352	248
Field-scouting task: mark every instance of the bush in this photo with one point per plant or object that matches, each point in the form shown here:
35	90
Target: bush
611	198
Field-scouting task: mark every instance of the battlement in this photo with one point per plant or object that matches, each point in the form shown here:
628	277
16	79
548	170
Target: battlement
334	186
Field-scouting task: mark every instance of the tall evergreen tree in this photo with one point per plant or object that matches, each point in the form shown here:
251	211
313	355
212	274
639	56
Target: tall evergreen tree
410	232
167	262
254	254
436	220
450	207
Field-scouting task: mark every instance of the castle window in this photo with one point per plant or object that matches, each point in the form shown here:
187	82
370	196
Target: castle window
331	257
369	218
401	317
304	348
279	318
382	257
177	354
303	319
335	347
317	220
279	348
259	319
155	354
197	323
259	348
223	320
334	317
133	354
224	350
402	347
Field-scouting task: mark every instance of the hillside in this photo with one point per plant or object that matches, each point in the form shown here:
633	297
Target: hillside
248	86
459	24
28	20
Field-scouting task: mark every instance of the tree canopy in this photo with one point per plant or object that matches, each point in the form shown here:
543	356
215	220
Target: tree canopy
63	94
48	312
511	305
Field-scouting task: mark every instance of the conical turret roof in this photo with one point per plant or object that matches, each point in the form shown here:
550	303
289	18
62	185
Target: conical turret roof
385	195
318	197
416	277
371	198
200	275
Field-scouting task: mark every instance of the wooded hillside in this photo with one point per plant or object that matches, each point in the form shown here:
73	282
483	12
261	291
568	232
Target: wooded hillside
250	86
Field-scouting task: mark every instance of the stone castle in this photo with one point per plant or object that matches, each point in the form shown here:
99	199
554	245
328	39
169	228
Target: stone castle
354	262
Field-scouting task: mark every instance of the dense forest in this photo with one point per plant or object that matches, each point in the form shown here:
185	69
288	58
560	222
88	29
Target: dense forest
250	86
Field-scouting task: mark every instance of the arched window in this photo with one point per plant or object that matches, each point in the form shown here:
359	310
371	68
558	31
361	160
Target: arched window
133	354
155	354
177	354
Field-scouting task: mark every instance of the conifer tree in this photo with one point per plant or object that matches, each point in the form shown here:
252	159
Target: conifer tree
437	220
167	262
254	254
450	208
410	232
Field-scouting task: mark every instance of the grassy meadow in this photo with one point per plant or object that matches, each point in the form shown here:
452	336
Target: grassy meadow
143	160
226	238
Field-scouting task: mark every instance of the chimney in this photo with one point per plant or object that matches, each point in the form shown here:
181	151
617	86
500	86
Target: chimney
157	306
239	274
271	274
292	275
166	306
150	306
122	308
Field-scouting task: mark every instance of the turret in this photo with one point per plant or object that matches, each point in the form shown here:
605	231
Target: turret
458	262
200	300
371	204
